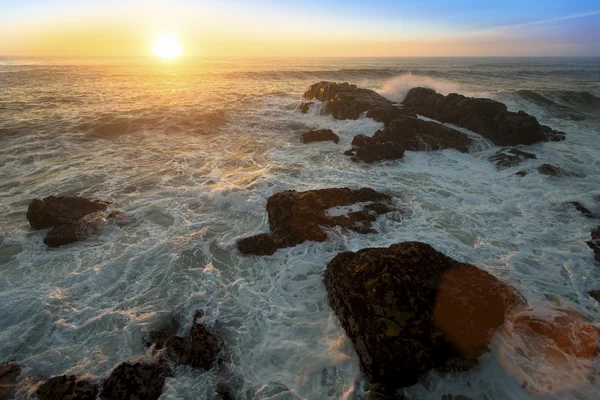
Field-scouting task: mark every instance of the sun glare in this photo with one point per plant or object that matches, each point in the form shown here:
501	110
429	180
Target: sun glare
167	47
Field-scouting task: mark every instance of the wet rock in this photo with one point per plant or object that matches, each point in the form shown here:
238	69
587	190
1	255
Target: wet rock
507	158
522	173
489	118
580	207
345	101
296	217
551	135
200	349
304	107
551	170
407	133
409	309
595	294
594	244
321	135
67	388
9	372
135	381
388	115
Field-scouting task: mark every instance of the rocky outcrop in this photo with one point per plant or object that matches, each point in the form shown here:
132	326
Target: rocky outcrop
200	349
345	101
135	381
296	217
321	135
594	244
71	218
595	294
9	372
409	309
67	388
506	158
551	170
489	118
407	133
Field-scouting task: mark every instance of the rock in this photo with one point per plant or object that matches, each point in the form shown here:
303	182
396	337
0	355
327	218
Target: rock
55	211
489	118
522	173
388	115
507	158
200	349
552	135
345	101
409	309
595	294
551	170
304	107
296	217
321	135
135	381
67	388
407	133
594	244
580	207
9	372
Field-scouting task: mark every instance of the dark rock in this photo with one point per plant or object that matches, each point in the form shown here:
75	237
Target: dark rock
551	170
552	135
200	349
507	158
321	135
595	294
57	211
580	207
9	372
594	244
304	107
224	393
296	217
522	173
345	101
67	388
407	133
135	381
409	309
489	118
387	115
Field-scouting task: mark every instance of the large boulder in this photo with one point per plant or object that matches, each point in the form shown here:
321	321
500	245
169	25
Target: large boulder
489	118
71	218
200	349
506	158
67	388
409	309
345	101
321	135
296	217
135	381
407	133
9	372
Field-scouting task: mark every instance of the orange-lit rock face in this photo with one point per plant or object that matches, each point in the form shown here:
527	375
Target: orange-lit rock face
549	350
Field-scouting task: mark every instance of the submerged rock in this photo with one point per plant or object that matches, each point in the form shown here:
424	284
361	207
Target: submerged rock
407	133
9	372
67	388
296	217
507	158
345	101
595	294
321	135
551	170
200	349
409	309
581	208
135	381
71	218
594	244
489	118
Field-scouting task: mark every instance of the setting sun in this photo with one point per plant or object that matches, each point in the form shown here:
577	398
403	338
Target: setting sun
167	47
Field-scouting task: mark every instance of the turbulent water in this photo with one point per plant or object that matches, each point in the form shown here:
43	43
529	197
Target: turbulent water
193	149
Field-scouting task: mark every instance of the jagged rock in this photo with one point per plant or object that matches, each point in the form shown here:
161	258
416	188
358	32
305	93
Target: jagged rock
595	294
9	372
345	101
304	107
581	208
200	349
409	309
507	158
594	244
296	217
321	135
135	381
551	170
489	118
407	133
552	135
388	115
67	388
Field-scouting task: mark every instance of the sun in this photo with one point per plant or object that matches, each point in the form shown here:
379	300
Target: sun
167	47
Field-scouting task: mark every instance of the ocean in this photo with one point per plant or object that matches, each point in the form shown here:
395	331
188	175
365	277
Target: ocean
191	149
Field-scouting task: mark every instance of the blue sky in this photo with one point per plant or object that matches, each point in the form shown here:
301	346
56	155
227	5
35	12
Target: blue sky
552	27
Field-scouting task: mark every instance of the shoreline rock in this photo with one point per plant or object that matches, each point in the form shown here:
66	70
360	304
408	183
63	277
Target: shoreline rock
321	135
296	217
9	372
551	170
65	387
409	309
135	380
506	158
594	244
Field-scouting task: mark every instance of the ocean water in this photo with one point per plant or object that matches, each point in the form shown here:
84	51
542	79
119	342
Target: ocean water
192	149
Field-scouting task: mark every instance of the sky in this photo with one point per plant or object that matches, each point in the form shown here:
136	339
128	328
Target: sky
301	28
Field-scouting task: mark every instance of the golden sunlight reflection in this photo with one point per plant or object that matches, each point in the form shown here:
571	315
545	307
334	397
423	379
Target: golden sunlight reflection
167	47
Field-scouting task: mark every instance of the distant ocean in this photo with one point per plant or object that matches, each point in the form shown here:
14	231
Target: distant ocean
193	148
